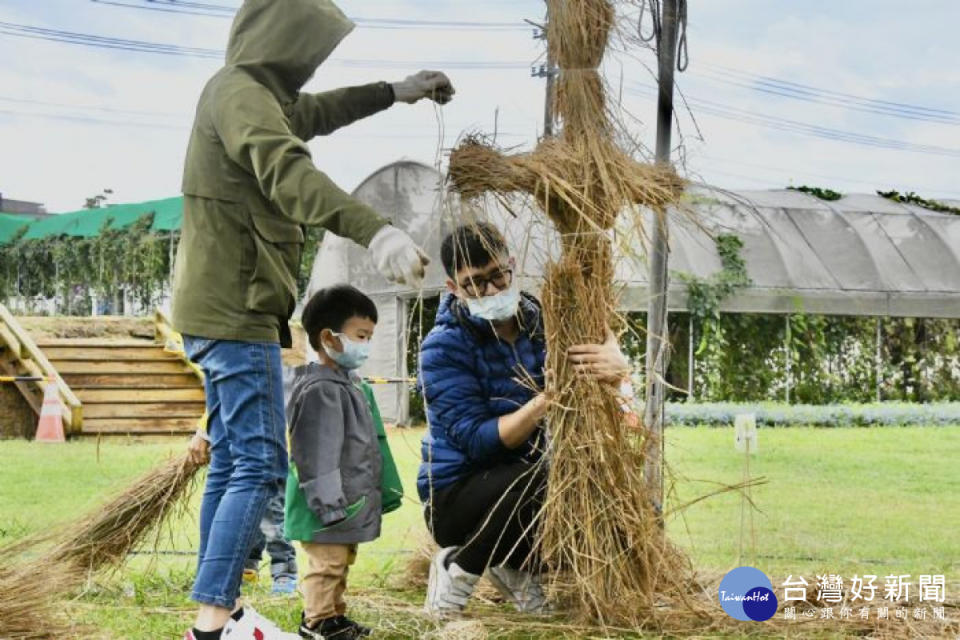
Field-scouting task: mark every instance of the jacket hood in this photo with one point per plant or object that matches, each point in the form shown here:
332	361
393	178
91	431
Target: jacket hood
282	42
452	313
320	371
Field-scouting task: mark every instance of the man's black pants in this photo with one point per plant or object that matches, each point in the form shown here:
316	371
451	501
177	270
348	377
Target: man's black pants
490	516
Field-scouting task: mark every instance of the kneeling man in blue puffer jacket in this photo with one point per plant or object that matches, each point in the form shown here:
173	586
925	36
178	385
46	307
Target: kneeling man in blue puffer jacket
482	375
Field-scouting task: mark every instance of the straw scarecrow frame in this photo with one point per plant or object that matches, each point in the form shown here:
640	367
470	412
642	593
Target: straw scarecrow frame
599	529
599	533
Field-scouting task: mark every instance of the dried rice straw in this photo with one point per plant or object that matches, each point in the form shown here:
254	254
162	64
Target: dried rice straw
102	539
598	532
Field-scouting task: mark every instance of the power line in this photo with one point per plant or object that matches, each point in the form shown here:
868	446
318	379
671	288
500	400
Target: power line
793	126
132	112
90	120
447	64
763	84
222	11
780	87
794	91
704	106
808	89
189	12
85	119
105	42
766	84
743	79
914	112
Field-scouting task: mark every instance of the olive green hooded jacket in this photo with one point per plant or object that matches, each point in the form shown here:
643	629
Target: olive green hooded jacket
250	184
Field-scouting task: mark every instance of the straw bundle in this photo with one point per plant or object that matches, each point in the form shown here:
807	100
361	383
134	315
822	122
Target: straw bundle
61	560
580	185
28	596
598	529
104	537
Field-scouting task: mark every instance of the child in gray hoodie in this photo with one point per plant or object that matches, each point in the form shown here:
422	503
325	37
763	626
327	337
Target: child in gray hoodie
336	492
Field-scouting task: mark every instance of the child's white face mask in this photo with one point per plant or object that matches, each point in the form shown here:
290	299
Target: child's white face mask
354	353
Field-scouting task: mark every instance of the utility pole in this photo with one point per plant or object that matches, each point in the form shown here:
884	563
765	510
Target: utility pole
657	338
548	112
548	71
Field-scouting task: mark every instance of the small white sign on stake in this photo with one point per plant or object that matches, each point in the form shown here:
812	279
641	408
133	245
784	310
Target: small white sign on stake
745	432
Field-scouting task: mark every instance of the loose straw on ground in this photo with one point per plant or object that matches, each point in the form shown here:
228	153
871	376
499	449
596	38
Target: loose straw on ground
51	565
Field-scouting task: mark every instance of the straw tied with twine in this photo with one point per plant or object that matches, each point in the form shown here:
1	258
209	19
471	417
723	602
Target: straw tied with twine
598	532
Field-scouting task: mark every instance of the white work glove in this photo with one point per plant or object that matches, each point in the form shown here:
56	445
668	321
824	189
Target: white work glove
397	256
424	84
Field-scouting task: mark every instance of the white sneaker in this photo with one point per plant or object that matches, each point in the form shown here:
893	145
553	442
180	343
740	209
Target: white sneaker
449	587
253	626
521	588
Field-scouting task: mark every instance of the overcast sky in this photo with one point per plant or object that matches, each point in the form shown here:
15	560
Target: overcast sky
76	119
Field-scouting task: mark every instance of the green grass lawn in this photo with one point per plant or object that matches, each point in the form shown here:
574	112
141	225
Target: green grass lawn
843	501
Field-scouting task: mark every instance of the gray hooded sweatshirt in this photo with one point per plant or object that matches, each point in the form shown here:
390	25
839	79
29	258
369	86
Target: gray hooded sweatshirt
333	443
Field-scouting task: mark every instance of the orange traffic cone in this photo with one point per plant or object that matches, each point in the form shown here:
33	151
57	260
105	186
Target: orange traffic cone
50	427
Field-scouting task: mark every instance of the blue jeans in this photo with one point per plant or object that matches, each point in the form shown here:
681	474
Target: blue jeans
248	458
283	557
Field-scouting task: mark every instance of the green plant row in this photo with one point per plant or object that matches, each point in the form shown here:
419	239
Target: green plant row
912	198
68	269
133	259
818	192
892	414
824	359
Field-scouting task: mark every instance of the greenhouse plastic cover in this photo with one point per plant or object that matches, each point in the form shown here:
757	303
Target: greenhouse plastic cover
860	255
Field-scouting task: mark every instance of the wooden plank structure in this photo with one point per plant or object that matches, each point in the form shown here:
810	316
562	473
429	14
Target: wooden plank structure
108	386
21	356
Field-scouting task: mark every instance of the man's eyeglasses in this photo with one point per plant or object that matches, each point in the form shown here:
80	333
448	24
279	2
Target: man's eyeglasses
476	286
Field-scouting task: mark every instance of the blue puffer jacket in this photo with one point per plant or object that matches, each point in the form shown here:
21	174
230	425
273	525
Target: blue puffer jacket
469	379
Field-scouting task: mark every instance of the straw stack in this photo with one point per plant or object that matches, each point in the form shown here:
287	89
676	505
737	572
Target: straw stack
598	529
39	571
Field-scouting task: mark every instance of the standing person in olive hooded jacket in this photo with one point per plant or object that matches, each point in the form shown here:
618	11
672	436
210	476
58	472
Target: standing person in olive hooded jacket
250	187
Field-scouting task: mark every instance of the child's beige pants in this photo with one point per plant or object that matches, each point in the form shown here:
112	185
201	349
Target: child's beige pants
326	580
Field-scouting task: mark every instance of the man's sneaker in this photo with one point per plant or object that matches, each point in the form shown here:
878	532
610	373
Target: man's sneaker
521	588
336	628
284	586
449	587
253	626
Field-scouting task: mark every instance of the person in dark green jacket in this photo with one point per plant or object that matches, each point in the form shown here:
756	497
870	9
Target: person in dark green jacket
342	477
250	187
